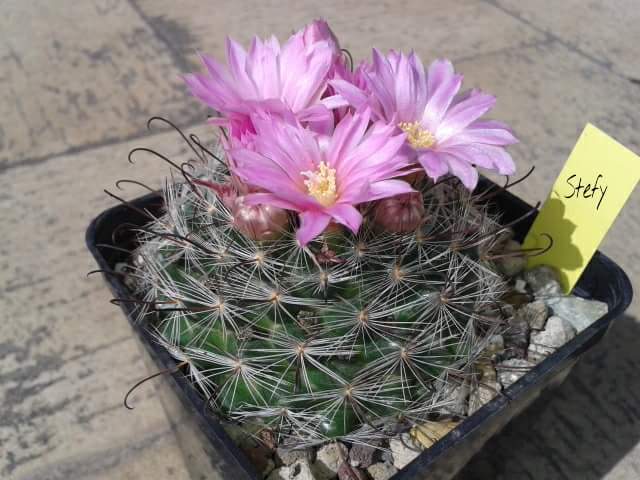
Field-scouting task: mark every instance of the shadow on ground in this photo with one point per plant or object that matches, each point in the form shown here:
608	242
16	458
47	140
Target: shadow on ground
580	430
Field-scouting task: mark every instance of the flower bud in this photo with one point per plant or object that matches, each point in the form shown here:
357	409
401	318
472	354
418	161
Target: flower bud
319	31
402	213
259	222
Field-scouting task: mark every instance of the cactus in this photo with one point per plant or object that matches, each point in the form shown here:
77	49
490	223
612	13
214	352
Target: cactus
326	271
351	336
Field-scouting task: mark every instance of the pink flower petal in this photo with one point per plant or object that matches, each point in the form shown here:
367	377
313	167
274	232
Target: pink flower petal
485	156
434	164
319	31
463	113
298	201
206	91
237	58
347	215
440	71
334	101
319	118
304	69
488	131
442	89
217	72
312	224
269	199
465	172
387	188
291	147
375	157
404	90
501	159
421	93
382	84
470	153
351	94
347	135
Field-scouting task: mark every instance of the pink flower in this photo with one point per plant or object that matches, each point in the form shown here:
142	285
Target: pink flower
322	177
442	126
271	78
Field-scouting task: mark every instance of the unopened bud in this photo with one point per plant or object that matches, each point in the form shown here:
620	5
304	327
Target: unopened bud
259	222
401	214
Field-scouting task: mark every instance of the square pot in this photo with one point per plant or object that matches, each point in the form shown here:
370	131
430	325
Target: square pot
210	452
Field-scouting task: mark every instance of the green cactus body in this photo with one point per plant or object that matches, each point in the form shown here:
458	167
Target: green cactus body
340	339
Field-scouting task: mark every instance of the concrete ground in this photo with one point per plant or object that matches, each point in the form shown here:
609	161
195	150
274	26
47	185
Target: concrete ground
78	81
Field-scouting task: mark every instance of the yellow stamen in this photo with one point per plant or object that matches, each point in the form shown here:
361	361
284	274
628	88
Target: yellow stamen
417	136
321	184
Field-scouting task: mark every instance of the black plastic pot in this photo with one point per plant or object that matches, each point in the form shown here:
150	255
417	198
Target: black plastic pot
209	451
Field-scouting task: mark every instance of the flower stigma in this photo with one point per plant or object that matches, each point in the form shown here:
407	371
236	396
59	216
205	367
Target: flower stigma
417	136
321	184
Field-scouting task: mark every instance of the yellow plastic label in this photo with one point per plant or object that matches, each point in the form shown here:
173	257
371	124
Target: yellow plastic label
592	188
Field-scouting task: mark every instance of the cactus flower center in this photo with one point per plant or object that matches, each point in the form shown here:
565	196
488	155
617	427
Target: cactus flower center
417	136
321	184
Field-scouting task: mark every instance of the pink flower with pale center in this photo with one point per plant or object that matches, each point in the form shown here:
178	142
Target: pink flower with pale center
322	177
271	78
444	133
